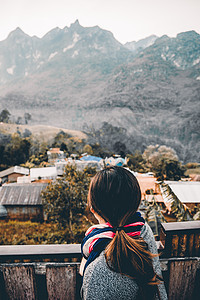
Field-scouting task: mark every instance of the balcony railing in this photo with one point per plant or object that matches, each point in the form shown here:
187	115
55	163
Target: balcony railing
52	271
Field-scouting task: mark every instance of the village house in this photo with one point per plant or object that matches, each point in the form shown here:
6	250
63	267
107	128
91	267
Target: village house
147	183
188	192
55	155
22	201
11	174
43	173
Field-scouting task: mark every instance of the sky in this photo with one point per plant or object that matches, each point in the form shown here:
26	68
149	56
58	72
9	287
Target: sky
128	20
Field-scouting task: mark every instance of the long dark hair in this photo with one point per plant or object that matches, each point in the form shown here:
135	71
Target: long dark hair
115	195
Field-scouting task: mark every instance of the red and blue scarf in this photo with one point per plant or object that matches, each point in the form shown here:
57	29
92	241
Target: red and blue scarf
98	236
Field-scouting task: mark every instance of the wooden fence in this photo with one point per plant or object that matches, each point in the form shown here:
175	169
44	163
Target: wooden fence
51	271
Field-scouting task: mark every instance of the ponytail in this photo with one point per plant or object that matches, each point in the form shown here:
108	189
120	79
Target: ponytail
130	256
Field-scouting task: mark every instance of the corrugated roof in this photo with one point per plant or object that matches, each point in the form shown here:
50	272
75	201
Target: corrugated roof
186	192
16	169
21	194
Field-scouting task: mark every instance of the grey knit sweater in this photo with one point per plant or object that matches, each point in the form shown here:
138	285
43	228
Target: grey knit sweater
101	283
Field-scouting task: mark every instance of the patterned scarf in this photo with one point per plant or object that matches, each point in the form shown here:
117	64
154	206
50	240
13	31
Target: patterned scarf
98	236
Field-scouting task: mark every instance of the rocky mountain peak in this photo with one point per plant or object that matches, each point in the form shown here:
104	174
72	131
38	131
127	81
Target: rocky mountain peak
188	34
75	25
17	33
141	44
162	39
52	33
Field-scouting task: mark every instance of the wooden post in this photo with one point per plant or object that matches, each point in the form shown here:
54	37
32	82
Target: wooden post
19	282
61	281
181	239
174	248
182	274
197	245
182	249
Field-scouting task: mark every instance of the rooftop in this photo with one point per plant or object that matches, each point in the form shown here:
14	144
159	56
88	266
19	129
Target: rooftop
185	191
45	173
15	169
21	194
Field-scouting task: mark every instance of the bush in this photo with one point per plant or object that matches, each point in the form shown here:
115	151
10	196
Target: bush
29	233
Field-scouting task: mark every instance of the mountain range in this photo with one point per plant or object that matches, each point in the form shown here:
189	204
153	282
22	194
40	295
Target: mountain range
79	77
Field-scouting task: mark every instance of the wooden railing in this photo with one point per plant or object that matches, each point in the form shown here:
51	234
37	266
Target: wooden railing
52	271
40	272
62	253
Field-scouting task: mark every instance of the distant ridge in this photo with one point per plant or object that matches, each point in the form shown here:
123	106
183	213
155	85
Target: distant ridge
141	44
43	132
79	77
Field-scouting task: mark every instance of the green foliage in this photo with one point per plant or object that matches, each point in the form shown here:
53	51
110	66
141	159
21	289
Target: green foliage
67	143
4	116
16	151
163	162
38	159
110	138
66	198
169	170
136	162
60	138
120	148
97	150
37	155
27	117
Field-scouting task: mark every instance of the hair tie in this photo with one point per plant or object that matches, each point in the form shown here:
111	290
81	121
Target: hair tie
119	228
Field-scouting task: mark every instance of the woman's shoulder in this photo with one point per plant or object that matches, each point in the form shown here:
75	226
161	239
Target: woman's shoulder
147	235
99	280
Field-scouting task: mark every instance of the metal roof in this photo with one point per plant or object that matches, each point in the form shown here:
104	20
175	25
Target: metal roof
21	194
186	192
91	158
16	169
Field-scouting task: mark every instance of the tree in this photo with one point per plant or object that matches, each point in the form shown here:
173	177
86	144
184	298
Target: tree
63	147
17	151
168	169
4	116
153	154
66	198
88	149
136	162
120	148
174	170
19	120
163	162
27	117
38	153
99	151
